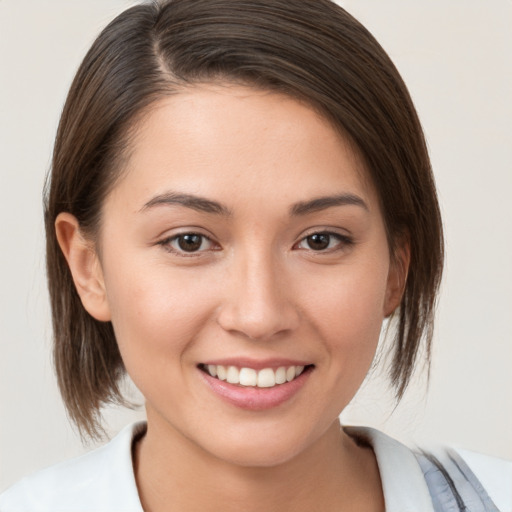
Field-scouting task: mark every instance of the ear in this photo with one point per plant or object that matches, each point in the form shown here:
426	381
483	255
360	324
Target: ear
85	266
397	277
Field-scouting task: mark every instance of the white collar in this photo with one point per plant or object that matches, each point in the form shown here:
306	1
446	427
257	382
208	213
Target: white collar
103	480
402	479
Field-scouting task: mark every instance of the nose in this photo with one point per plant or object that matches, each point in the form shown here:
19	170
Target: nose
257	301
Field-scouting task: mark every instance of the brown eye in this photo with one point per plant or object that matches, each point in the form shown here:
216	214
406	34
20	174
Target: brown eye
190	242
318	241
324	241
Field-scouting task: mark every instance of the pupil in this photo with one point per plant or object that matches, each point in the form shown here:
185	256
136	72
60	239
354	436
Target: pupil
189	243
319	241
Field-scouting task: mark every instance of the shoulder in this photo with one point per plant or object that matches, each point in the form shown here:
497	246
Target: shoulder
101	480
439	479
477	478
403	483
494	473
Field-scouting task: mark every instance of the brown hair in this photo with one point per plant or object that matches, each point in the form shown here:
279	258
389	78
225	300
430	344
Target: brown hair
310	49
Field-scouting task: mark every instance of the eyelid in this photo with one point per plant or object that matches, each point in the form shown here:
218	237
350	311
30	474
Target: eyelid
166	243
344	239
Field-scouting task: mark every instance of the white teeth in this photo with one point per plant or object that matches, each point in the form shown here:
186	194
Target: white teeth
248	377
233	375
221	372
265	378
281	375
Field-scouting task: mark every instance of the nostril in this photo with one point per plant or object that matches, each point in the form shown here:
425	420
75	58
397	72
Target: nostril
258	308
257	327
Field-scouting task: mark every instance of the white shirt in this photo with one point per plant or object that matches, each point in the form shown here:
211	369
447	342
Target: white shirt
103	480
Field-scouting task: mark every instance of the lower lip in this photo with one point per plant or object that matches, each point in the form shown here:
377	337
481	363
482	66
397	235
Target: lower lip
254	398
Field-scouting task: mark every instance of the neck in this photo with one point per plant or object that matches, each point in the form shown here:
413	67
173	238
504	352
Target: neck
333	474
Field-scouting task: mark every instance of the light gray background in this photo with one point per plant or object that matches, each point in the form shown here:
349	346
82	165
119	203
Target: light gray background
455	56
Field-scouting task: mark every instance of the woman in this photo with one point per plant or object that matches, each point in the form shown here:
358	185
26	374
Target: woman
232	213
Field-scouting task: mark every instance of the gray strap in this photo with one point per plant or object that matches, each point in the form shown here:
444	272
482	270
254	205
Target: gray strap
453	486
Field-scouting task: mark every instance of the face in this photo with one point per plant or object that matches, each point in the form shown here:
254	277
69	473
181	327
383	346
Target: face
243	247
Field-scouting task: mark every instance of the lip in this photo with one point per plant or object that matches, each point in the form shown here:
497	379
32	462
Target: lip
254	398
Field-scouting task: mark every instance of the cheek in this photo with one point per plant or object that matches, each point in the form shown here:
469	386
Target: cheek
156	314
348	312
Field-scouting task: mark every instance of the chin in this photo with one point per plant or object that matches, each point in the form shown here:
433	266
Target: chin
259	455
264	448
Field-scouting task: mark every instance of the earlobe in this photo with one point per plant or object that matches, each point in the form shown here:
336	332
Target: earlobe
397	278
84	265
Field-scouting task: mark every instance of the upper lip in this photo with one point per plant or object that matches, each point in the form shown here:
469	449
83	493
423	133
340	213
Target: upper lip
256	364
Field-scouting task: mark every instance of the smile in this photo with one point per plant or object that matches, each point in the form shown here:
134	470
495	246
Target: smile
264	378
255	385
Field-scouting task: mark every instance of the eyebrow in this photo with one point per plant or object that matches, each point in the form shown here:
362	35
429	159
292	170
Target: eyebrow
322	203
208	206
194	202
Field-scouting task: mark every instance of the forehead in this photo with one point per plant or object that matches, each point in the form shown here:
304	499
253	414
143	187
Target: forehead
229	139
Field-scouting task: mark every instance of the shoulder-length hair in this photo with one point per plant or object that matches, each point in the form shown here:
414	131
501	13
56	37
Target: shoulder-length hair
311	50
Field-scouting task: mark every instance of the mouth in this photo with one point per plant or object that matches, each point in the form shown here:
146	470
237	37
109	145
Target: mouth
251	377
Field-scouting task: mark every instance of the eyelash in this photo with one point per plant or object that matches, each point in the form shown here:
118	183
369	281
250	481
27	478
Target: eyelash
343	241
166	243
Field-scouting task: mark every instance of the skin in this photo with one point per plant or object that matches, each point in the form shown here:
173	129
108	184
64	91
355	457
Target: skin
255	288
